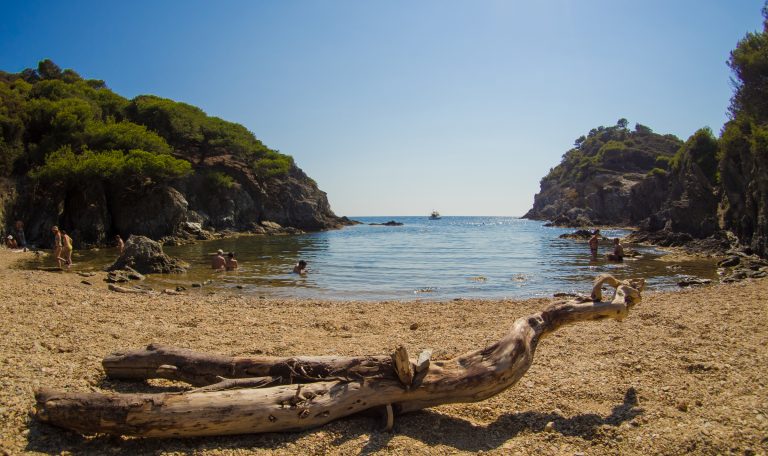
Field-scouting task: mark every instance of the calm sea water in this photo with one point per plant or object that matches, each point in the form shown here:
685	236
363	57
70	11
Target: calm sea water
454	257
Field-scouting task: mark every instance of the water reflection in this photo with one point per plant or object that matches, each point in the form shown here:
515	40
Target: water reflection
489	257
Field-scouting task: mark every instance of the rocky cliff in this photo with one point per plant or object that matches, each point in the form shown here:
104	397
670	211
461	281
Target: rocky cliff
689	198
744	190
93	212
610	177
656	183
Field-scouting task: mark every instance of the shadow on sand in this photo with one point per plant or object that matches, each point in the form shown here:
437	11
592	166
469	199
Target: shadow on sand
427	426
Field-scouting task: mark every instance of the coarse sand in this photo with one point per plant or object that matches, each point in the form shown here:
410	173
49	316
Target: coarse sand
685	373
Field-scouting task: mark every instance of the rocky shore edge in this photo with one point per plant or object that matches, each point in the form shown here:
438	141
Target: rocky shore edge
735	263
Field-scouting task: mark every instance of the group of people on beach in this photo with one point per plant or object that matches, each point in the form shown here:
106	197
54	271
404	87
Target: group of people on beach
62	243
62	247
618	250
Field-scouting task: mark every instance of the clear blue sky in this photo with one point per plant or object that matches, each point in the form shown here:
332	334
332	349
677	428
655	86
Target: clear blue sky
401	107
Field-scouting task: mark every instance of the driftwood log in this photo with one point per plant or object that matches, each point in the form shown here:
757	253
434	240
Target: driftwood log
237	395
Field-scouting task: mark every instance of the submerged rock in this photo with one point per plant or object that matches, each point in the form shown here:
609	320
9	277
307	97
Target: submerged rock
691	281
389	223
145	256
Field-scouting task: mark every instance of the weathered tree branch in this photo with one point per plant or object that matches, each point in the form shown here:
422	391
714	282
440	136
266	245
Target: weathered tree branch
284	394
200	369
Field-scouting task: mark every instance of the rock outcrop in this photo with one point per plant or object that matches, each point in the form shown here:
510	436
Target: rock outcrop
744	187
92	212
291	200
676	205
604	179
146	257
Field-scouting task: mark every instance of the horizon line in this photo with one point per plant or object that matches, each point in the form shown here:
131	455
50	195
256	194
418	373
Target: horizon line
427	215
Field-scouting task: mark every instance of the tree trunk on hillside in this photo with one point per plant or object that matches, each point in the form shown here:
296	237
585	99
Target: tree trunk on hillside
264	394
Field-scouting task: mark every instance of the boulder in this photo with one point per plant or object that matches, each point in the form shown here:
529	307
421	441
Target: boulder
117	276
146	257
663	238
271	226
195	229
693	281
729	262
578	234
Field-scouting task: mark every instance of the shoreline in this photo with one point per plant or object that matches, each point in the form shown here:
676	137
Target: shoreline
684	373
256	279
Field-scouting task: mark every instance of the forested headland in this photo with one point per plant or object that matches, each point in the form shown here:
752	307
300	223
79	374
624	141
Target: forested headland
76	154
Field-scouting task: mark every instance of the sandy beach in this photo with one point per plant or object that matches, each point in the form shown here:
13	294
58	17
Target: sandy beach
685	373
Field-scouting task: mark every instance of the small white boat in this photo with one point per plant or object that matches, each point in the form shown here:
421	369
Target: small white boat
435	215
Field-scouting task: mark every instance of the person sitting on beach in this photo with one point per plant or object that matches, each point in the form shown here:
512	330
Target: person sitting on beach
231	262
219	262
300	267
593	242
120	244
10	242
57	244
21	240
618	251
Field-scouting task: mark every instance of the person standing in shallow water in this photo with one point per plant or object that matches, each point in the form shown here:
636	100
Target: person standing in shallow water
57	244
300	268
231	262
219	262
594	241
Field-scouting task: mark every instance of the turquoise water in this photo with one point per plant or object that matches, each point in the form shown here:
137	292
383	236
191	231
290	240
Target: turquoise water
454	257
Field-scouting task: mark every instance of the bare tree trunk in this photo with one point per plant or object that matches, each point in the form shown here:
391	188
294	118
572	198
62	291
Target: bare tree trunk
265	394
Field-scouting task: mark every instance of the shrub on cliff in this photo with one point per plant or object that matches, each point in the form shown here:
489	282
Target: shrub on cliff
123	136
613	149
218	180
194	134
273	164
64	165
45	109
702	149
